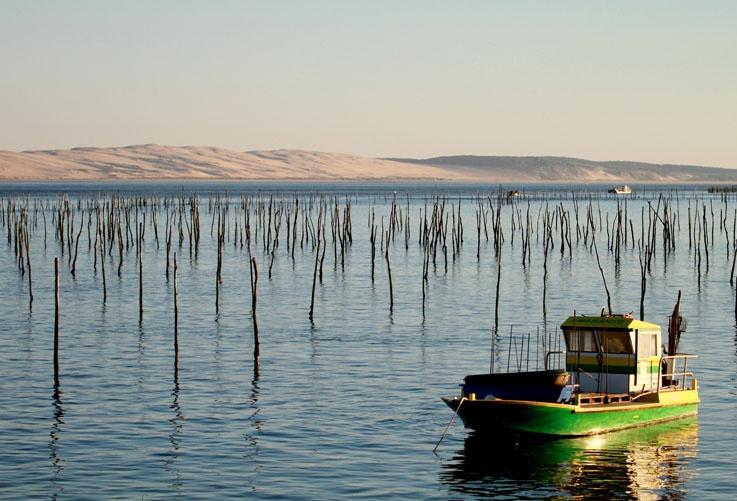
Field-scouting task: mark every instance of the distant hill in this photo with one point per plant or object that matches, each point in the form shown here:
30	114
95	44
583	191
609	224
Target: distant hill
566	169
152	161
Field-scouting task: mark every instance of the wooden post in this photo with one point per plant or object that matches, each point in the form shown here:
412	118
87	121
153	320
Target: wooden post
425	266
498	244
140	286
76	247
102	264
373	245
731	273
221	241
30	272
314	278
603	278
168	244
389	273
176	316
254	290
643	281
324	245
547	239
56	321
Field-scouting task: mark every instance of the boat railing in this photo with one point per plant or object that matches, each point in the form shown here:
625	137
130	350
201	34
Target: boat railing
669	370
548	355
524	347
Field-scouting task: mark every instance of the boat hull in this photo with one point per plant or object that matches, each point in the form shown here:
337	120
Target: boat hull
544	418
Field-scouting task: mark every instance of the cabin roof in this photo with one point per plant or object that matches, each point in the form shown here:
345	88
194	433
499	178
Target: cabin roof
608	322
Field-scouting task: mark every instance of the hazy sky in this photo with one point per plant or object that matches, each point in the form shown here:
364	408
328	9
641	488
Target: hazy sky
645	80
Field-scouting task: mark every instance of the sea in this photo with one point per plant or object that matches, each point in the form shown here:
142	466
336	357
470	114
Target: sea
346	404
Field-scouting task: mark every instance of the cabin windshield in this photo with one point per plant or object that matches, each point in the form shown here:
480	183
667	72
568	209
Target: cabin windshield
581	340
615	342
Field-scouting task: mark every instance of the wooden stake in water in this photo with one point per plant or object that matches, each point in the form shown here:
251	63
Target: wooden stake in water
603	278
389	273
314	273
140	280
176	317
102	265
56	321
254	289
30	271
76	247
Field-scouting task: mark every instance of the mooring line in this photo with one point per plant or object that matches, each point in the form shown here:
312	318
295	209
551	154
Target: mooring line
463	399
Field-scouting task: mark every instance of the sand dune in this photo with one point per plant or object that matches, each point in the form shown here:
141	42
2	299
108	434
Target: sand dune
187	162
152	161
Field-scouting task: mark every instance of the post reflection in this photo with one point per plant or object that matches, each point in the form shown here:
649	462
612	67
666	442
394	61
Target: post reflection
177	423
57	462
644	463
254	418
250	435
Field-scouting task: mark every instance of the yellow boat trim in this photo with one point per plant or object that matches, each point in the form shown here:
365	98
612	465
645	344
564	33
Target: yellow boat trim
665	399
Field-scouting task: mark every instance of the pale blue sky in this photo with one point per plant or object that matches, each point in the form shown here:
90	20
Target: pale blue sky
653	81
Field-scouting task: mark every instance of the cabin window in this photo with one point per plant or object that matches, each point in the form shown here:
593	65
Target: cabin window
615	342
580	340
643	345
647	345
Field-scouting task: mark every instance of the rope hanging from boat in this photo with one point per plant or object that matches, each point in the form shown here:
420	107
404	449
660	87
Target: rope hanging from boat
463	399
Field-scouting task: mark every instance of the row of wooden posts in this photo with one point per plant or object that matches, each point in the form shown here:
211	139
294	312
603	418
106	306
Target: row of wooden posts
120	223
57	296
700	235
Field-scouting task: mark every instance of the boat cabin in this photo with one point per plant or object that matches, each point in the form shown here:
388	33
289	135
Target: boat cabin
612	353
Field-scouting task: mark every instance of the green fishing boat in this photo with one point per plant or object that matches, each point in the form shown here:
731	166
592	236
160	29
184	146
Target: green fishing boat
617	375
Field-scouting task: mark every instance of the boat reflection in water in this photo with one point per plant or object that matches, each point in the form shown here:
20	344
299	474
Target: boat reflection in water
644	463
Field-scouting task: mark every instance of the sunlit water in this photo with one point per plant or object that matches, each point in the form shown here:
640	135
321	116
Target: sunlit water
349	406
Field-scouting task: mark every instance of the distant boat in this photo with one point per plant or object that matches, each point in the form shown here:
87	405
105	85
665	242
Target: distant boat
616	377
621	190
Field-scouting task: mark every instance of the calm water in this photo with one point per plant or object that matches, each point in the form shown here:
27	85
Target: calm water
349	406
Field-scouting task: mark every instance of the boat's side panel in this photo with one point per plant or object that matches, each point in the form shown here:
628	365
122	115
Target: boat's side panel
677	396
588	423
566	420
